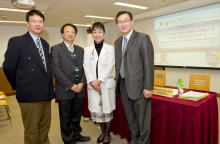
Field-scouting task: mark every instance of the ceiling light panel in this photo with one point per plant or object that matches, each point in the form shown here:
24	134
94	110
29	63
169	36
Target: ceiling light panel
100	17
130	5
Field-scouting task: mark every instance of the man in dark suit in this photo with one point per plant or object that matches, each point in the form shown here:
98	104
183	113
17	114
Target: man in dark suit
27	68
67	66
134	74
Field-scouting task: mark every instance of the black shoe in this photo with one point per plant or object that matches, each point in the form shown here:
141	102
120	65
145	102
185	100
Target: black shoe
108	141
83	138
99	141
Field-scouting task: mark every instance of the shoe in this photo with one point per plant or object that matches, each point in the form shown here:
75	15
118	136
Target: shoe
99	141
83	138
108	141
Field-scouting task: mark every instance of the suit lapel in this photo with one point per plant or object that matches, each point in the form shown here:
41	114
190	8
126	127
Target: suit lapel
131	41
33	49
119	50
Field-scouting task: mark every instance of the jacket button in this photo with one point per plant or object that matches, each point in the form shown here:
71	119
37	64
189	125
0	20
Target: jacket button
29	58
32	69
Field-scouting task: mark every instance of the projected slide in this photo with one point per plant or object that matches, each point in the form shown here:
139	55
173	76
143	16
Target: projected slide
190	38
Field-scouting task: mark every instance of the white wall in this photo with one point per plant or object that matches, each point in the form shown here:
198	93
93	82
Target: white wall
173	74
50	34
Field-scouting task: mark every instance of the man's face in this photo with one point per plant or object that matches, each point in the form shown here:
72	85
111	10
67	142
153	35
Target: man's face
68	34
125	24
35	25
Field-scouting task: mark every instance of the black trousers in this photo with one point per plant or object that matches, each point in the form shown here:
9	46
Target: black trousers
70	115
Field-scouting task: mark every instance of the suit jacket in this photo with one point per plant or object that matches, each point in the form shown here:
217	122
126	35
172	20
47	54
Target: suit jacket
64	70
138	64
25	71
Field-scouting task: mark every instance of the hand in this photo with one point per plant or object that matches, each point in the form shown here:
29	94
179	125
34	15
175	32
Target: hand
74	87
147	93
95	83
79	87
98	89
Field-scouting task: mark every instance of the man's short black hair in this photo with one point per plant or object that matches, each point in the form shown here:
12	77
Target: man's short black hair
121	13
98	25
34	12
68	24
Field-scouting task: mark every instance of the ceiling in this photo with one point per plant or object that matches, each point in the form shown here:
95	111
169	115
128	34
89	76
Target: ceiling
58	12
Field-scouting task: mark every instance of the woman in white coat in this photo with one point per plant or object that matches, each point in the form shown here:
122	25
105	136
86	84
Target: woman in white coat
99	59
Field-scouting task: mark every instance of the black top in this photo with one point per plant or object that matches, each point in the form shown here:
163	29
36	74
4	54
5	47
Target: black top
98	48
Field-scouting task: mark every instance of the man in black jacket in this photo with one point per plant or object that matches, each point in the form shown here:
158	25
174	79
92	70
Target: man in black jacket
27	68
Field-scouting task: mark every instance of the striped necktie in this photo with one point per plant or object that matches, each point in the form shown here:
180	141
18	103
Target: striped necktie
41	53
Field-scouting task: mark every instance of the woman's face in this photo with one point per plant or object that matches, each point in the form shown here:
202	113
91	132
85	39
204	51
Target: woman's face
98	35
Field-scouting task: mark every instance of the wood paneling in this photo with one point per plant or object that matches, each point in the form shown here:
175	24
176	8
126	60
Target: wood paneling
4	84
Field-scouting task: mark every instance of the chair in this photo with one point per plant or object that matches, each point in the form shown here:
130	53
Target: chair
199	82
159	77
3	97
5	104
2	93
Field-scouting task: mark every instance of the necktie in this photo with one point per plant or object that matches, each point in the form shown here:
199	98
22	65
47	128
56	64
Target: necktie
41	53
122	73
71	49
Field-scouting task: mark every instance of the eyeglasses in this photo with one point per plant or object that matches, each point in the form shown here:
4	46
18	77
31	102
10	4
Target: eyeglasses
123	22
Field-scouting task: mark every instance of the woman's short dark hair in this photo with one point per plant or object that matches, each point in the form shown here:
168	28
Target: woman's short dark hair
121	13
34	12
68	24
98	25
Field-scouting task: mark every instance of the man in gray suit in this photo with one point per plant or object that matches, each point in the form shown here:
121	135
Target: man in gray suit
134	74
67	66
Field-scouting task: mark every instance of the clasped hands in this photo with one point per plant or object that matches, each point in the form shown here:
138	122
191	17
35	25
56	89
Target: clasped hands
77	87
96	85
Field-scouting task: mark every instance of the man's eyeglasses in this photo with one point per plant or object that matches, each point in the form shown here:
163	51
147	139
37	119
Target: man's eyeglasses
123	22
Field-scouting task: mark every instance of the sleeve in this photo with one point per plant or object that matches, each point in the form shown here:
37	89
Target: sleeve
83	78
58	73
87	66
12	55
148	61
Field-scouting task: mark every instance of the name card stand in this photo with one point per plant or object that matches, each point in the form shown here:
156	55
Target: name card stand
167	92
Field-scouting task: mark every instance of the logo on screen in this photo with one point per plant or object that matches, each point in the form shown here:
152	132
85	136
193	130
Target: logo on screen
212	59
166	23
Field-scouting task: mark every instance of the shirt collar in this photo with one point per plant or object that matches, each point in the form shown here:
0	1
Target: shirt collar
68	45
34	37
129	35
